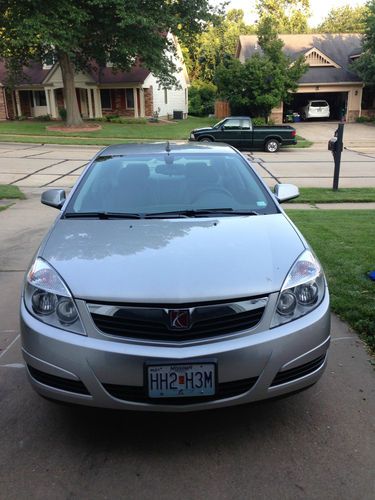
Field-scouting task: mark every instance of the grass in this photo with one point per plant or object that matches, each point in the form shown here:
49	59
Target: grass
345	195
344	243
301	143
8	192
34	131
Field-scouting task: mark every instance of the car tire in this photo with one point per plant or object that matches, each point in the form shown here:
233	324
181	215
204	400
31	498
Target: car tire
206	139
272	146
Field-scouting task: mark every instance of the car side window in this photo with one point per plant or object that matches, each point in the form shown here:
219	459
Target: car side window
232	125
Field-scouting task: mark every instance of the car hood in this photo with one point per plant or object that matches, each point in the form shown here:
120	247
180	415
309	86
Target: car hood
203	129
173	260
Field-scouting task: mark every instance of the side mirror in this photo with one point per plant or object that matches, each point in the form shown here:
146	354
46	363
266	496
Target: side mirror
53	198
285	192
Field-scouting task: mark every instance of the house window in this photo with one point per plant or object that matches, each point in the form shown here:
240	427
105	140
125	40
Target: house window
105	99
129	95
165	96
40	98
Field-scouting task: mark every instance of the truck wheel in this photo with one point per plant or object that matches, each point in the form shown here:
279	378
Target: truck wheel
205	139
271	146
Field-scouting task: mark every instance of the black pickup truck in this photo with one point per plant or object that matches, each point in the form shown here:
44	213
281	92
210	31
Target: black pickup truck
238	131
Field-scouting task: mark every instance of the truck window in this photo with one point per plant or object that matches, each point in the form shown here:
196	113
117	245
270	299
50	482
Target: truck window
246	125
232	125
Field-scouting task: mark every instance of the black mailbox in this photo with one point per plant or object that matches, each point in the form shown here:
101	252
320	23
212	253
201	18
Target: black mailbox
333	145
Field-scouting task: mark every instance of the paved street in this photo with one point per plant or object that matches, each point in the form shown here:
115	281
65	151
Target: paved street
38	166
317	444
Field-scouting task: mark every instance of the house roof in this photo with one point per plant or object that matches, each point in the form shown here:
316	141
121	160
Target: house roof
35	74
337	47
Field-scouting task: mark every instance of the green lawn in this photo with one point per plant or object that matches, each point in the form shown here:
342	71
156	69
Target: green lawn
345	195
33	131
344	242
8	192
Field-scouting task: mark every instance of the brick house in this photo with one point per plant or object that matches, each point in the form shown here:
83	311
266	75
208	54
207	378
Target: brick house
329	76
100	91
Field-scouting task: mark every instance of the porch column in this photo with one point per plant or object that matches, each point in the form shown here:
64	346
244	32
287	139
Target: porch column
91	113
18	103
98	105
135	97
47	92
53	104
142	99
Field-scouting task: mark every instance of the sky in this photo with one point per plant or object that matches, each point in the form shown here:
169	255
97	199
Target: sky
319	8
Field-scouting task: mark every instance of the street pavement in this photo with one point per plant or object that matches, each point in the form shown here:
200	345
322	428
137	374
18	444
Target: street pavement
33	167
317	444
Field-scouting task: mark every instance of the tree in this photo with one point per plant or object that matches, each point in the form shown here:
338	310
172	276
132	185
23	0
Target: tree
365	65
202	98
78	33
264	80
344	19
287	16
216	43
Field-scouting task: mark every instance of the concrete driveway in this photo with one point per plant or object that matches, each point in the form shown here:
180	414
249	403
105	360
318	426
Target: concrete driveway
317	444
356	135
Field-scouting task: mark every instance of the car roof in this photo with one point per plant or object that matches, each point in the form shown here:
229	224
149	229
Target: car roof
162	147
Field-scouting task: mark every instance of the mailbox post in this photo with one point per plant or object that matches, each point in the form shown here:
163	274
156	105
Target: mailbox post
336	146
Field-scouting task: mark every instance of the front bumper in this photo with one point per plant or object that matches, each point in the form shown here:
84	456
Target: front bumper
99	370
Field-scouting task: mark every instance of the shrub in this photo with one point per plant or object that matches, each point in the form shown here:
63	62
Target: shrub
62	113
202	97
43	118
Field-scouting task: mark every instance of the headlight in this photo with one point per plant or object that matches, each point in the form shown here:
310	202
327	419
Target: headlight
48	298
192	136
302	291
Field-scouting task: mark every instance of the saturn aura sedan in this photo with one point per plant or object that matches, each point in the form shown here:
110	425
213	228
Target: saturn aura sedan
172	280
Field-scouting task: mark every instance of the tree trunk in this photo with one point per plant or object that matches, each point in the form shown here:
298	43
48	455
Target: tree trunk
73	116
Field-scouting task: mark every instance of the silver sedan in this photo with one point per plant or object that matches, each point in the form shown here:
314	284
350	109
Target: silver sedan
172	280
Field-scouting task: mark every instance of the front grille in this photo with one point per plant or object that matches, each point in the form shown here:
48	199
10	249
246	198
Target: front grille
153	323
65	384
299	371
138	394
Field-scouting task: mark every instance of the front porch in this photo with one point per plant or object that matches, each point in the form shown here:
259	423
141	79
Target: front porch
93	102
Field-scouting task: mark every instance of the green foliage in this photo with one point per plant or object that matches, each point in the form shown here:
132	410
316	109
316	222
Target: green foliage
202	97
43	118
344	19
287	16
62	114
264	80
78	33
8	192
365	65
218	42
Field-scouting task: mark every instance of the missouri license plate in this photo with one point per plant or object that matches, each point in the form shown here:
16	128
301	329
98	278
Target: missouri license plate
181	380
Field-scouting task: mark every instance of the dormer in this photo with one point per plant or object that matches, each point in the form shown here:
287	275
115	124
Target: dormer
315	58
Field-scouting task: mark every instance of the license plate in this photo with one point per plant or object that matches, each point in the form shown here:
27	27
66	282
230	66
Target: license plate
181	380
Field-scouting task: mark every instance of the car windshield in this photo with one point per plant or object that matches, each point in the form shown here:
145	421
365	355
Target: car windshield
318	104
172	184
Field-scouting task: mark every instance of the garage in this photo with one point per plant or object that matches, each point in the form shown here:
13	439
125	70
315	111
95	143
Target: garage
329	75
338	103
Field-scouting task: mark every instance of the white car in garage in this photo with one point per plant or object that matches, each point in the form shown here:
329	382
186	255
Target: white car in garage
315	109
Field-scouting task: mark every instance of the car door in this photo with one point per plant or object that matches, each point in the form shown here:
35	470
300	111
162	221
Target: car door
231	132
246	133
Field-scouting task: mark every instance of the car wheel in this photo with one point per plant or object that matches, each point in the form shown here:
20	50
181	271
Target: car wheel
303	116
272	145
206	139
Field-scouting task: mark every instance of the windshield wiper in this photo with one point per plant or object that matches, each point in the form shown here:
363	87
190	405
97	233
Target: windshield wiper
102	215
199	212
